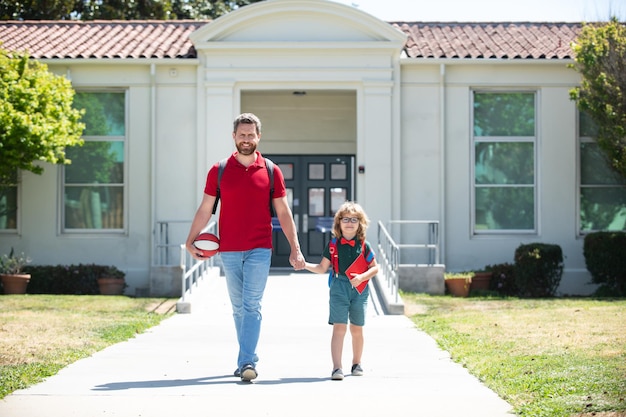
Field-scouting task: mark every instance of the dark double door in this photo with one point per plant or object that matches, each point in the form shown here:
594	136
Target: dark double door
316	187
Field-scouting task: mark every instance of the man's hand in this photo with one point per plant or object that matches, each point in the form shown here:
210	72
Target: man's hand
296	259
194	252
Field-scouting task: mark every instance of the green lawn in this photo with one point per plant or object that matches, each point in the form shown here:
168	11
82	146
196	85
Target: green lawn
40	334
547	358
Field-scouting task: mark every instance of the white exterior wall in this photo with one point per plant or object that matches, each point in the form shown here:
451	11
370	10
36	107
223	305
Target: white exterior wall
423	87
40	233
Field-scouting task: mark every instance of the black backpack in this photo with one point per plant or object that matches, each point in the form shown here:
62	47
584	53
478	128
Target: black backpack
270	172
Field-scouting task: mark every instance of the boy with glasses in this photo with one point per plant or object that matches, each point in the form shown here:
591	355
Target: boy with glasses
354	264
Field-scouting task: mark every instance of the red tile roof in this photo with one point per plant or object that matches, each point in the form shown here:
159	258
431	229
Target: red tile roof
100	39
170	39
490	40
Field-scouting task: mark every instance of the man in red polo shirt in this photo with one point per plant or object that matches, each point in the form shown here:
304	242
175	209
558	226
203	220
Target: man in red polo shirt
245	229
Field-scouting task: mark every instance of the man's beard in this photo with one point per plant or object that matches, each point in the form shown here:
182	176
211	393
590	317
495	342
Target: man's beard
246	151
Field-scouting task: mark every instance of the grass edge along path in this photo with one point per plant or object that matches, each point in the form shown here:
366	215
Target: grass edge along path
41	334
547	358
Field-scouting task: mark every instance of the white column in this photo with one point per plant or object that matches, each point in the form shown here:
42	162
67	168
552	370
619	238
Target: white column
215	140
375	151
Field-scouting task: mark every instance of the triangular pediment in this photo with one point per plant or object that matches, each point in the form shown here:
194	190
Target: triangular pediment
277	21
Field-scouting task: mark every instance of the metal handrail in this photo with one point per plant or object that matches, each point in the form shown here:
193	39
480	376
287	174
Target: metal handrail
197	269
388	256
390	251
433	238
163	249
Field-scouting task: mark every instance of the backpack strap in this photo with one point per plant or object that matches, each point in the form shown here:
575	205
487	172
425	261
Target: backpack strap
334	256
220	172
334	259
269	165
369	256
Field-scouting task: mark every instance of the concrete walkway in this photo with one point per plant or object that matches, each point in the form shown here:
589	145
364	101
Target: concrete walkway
184	367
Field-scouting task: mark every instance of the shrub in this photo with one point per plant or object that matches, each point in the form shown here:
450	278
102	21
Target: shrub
81	279
538	269
502	279
605	261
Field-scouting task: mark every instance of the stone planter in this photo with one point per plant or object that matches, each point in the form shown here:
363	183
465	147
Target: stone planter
15	283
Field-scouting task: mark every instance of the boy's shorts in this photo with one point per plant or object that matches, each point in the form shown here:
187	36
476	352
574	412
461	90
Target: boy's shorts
346	302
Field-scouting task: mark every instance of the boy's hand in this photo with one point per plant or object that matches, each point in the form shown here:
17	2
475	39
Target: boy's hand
297	261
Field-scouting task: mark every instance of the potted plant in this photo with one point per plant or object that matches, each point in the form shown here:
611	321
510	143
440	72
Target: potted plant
14	280
458	283
111	281
481	280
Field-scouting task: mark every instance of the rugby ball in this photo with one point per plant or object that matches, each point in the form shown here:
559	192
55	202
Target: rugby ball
208	244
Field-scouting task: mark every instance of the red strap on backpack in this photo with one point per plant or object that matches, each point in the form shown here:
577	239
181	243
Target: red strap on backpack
334	256
334	259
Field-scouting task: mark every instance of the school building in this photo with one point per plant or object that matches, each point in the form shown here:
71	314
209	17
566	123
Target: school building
467	125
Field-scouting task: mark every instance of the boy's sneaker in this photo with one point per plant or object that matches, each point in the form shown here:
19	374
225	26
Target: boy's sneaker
237	373
248	373
337	375
357	370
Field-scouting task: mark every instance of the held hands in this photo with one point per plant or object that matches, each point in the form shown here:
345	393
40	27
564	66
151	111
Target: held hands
296	259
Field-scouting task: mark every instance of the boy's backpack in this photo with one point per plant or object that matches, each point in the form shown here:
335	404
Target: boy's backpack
332	248
269	165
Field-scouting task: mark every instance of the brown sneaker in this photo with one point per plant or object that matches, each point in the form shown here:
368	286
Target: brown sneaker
248	373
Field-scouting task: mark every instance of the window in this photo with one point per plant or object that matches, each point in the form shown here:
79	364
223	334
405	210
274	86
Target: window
94	183
8	203
504	137
602	190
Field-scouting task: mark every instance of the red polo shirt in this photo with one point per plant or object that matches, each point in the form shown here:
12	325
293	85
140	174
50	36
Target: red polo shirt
245	222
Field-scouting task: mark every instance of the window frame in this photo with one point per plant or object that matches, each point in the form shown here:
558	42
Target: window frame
505	139
580	139
18	199
63	230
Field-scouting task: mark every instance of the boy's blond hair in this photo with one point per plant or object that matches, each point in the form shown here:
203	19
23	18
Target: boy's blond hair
351	209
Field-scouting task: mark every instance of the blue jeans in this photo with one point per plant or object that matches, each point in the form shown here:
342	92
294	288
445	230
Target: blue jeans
246	275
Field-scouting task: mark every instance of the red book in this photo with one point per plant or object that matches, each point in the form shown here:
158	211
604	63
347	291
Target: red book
359	266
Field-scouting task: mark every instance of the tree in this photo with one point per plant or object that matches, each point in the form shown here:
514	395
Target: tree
123	9
206	9
36	9
118	9
600	55
37	120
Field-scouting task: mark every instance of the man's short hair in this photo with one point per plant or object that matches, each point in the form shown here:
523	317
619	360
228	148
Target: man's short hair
247	118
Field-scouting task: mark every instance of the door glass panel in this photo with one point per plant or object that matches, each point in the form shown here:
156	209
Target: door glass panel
287	170
337	197
316	201
316	171
338	172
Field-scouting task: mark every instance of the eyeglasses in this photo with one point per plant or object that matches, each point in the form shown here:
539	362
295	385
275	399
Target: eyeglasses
349	220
